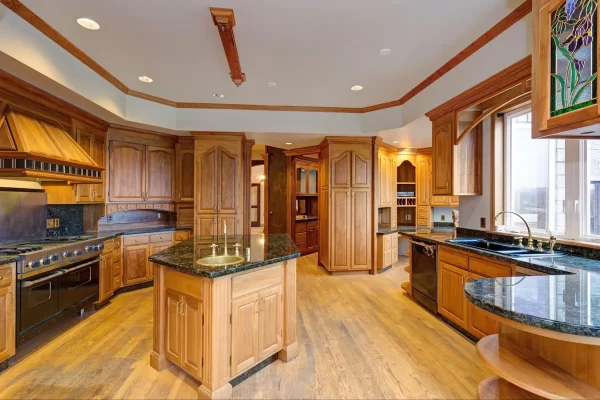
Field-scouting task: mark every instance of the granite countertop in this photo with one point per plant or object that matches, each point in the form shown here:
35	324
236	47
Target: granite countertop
307	219
264	250
566	300
9	259
135	231
387	231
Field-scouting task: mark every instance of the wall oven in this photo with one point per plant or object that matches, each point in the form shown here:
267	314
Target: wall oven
43	298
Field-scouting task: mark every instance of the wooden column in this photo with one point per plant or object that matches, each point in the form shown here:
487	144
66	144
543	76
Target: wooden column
217	339
290	338
158	361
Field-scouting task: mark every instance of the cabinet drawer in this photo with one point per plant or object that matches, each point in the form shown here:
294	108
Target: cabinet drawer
116	268
422	222
135	239
131	207
161	237
422	215
313	224
109	246
254	281
301	237
6	276
116	255
140	206
300	227
486	267
453	258
121	207
111	209
182	235
117	283
117	242
422	209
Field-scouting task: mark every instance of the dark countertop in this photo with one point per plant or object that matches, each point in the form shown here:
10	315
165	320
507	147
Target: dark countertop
386	231
264	250
307	219
9	259
566	300
136	231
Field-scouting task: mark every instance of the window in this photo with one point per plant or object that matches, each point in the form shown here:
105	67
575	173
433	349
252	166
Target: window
554	184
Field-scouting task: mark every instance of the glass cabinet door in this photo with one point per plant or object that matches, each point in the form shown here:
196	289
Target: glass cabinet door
313	180
301	180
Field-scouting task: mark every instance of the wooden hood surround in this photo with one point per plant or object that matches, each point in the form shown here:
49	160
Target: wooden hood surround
32	148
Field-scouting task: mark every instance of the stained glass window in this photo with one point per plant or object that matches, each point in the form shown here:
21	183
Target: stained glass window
573	51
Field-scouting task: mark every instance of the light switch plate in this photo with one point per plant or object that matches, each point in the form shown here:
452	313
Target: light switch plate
50	223
57	222
482	222
443	217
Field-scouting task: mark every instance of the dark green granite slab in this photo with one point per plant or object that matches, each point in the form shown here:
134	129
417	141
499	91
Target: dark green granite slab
386	231
264	250
9	259
136	231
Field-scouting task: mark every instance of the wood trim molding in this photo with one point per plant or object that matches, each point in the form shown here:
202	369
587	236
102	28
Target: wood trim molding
508	78
224	20
303	151
29	16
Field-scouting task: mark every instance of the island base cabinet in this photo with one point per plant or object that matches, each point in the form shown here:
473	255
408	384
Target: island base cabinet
216	329
479	322
452	303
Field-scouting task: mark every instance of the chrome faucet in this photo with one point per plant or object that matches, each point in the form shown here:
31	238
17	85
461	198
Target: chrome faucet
225	234
530	238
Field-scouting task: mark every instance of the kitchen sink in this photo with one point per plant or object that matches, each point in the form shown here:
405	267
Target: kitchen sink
504	249
220	261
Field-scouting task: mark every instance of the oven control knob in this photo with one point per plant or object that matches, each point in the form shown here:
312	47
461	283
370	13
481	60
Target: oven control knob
68	254
78	253
89	249
54	257
46	261
33	264
100	246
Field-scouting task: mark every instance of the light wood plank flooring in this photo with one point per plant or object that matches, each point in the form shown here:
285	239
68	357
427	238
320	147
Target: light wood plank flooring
359	337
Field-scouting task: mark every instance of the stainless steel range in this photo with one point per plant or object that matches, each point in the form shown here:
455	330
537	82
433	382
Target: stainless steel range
56	277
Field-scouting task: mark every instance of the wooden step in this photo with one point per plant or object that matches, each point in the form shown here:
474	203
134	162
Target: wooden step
407	269
496	388
531	372
405	286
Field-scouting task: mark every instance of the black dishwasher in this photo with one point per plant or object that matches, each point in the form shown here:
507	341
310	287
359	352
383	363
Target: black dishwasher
424	274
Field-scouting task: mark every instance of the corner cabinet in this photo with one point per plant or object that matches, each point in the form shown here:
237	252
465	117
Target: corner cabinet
140	172
565	68
346	225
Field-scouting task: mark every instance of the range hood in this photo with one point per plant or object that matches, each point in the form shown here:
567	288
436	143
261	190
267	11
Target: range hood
31	148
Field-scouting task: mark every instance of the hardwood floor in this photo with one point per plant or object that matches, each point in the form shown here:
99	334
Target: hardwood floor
359	337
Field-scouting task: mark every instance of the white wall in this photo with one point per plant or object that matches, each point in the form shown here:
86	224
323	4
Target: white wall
472	208
257	171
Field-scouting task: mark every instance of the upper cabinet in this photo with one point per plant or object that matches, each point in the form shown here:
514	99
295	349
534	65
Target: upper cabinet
218	181
184	175
93	142
140	172
565	68
443	150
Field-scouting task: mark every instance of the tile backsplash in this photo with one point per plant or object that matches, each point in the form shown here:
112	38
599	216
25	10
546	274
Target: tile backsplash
71	220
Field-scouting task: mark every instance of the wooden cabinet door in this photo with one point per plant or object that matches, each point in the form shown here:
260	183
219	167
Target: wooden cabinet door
185	175
383	171
135	264
99	156
360	228
155	248
173	332
227	182
443	148
451	299
244	333
423	183
233	228
340	170
127	168
340	229
360	171
311	238
206	225
7	322
206	182
86	142
191	351
479	322
270	322
160	168
106	278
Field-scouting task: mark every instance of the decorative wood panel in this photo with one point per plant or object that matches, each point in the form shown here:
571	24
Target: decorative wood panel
341	228
135	264
207	177
443	148
340	171
361	171
160	168
244	331
360	245
206	225
270	324
227	182
185	175
192	337
173	327
127	165
451	299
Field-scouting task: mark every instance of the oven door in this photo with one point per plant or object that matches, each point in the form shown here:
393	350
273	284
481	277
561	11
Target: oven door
38	299
79	282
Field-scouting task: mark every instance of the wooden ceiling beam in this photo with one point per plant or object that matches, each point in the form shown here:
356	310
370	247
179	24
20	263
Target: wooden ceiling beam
225	21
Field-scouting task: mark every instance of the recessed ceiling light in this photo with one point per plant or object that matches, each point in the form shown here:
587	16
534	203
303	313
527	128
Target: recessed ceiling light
88	24
271	84
395	141
288	143
356	88
384	52
145	79
218	95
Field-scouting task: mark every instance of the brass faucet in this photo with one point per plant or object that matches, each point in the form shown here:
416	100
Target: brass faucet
530	238
225	234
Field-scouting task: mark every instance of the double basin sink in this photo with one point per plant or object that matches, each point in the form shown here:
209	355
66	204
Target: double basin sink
503	249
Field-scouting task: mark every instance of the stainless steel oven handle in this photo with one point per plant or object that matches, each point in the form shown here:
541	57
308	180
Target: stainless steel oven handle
84	283
41	280
80	266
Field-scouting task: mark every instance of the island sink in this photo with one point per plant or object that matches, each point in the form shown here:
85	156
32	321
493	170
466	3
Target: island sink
223	261
502	248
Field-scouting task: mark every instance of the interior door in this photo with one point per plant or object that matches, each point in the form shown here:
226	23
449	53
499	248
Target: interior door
360	229
255	205
173	329
276	191
244	333
270	325
160	168
191	354
127	167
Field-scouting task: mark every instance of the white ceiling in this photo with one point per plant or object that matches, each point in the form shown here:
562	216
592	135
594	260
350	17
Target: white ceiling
315	50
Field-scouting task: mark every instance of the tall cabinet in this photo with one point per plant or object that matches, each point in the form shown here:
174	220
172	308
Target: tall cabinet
220	179
346	212
184	181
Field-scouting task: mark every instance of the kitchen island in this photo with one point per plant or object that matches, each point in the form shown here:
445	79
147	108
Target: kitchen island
549	339
217	322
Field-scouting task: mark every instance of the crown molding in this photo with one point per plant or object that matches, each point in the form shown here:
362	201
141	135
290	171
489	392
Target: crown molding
29	16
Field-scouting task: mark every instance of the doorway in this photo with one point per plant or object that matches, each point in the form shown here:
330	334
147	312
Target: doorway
255	205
